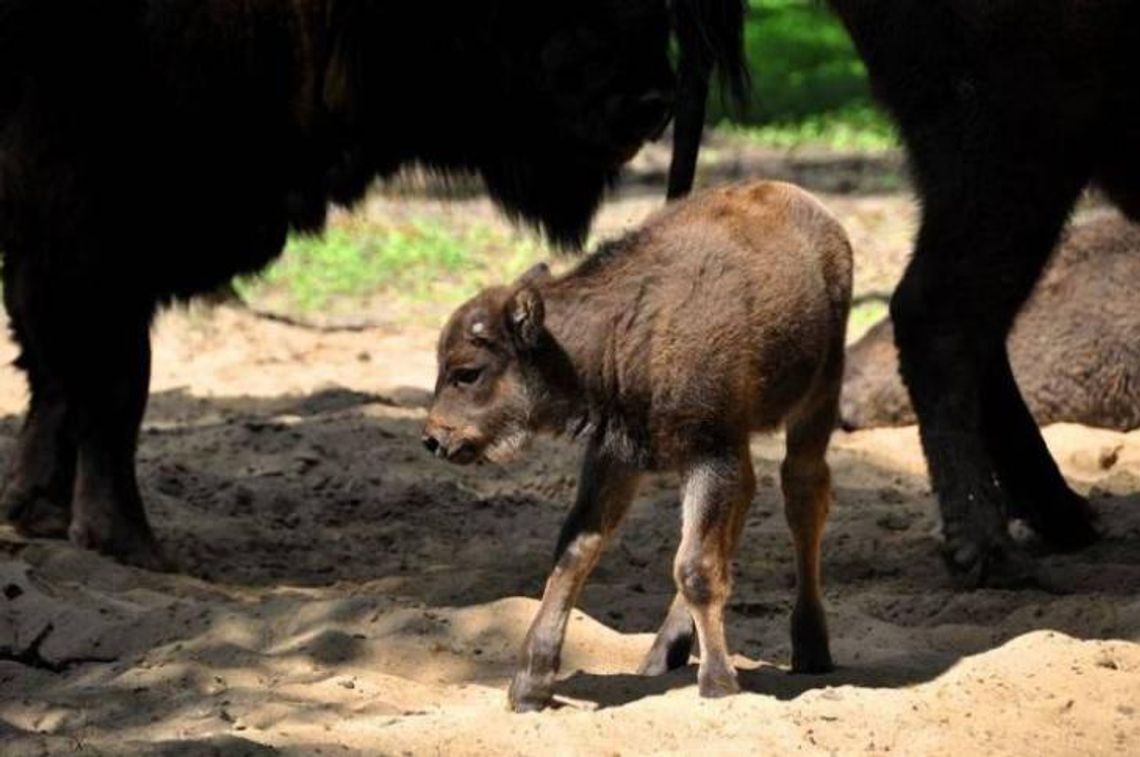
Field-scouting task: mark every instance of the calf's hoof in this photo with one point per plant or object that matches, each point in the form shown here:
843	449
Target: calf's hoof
529	694
36	515
126	544
715	686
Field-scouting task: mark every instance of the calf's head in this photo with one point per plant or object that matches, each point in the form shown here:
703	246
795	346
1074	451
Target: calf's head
490	388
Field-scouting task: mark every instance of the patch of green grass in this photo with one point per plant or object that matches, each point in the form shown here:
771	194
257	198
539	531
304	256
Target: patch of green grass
809	86
861	128
414	261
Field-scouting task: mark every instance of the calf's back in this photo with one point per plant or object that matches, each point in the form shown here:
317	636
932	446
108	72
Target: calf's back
716	318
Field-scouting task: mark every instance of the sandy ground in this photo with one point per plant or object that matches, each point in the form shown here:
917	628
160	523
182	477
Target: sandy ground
340	592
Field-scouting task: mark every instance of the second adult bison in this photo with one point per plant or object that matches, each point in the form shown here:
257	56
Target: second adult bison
1007	109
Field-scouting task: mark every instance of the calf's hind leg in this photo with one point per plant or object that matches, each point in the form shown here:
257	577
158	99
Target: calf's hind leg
605	490
674	641
717	493
806	482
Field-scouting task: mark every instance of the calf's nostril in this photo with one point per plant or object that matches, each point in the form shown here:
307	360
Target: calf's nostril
430	443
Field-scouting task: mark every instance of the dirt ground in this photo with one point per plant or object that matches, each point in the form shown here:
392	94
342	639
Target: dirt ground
338	591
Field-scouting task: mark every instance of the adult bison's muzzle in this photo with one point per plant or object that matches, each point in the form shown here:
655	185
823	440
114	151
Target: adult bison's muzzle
152	149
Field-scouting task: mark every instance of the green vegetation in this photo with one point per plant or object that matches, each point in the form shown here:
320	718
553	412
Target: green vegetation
858	127
808	84
416	261
863	317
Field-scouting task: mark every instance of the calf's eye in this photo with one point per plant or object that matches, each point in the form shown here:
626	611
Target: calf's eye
466	376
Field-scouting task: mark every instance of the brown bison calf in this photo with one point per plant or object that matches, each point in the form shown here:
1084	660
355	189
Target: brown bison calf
725	314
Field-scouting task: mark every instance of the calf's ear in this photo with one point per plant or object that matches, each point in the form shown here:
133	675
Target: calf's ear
525	313
536	274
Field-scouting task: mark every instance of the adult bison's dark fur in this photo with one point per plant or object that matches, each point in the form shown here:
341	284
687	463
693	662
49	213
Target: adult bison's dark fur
1008	108
151	149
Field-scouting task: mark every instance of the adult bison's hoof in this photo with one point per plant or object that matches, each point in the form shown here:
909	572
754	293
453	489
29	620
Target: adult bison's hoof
130	546
1066	522
976	564
529	693
36	515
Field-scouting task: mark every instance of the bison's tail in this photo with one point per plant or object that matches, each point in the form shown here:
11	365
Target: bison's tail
710	37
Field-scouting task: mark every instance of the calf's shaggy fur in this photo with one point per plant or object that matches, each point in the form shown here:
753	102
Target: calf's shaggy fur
722	316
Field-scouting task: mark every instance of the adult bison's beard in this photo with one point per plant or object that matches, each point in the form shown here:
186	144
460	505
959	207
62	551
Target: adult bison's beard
557	194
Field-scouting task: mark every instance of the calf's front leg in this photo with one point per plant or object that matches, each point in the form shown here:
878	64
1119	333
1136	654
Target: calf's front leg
605	490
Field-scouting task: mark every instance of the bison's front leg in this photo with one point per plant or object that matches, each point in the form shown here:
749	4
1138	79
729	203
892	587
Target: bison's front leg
605	491
41	473
990	220
109	400
41	470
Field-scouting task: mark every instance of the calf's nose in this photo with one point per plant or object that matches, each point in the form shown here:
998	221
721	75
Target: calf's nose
437	438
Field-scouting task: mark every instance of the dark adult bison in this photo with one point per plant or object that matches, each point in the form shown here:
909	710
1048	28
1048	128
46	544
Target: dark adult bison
152	149
1074	348
1008	108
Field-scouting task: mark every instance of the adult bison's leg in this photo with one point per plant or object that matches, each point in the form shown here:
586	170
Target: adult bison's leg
41	471
989	224
1033	484
107	389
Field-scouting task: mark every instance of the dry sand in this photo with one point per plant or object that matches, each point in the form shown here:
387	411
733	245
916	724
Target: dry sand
338	591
